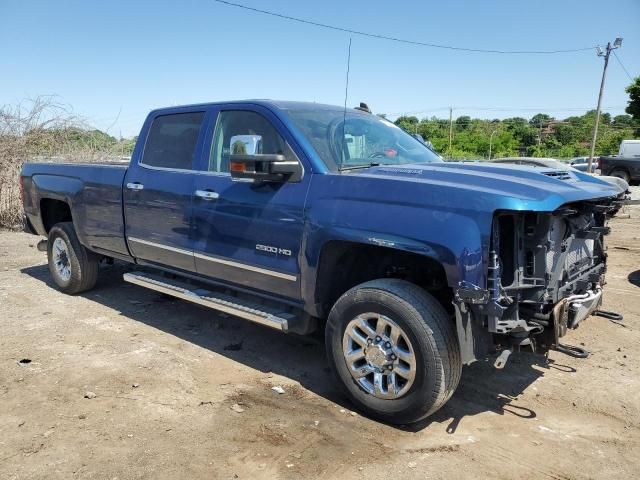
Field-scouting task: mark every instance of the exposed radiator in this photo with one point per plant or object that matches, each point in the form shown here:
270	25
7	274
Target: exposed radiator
580	251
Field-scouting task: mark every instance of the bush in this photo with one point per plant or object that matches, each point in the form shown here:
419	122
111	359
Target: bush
44	128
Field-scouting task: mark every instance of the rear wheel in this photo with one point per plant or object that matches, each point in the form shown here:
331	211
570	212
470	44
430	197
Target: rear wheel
74	268
393	347
621	174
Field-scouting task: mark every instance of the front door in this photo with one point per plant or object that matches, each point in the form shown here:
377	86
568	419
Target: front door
248	233
158	189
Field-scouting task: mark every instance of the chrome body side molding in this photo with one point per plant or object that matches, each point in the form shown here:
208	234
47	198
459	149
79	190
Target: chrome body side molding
222	261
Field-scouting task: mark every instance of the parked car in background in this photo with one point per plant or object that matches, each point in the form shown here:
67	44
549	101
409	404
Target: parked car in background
616	181
582	164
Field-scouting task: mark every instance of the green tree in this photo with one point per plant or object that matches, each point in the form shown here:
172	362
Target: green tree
540	119
515	122
609	141
407	119
521	130
565	133
463	122
633	107
623	120
518	136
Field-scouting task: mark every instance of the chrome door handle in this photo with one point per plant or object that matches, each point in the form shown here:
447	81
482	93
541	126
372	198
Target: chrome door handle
135	186
207	194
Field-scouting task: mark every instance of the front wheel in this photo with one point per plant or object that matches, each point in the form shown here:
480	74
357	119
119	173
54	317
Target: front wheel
394	349
74	268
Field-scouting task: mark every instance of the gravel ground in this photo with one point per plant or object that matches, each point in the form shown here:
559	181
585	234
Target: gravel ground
124	383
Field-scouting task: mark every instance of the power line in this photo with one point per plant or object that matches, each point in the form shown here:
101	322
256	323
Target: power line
622	65
396	39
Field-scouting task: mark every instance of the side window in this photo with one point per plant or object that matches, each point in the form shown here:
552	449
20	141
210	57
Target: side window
243	132
172	139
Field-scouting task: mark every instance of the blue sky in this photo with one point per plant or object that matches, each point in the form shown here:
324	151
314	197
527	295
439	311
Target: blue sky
131	56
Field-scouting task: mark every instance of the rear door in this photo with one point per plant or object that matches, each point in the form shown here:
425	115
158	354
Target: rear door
158	189
247	233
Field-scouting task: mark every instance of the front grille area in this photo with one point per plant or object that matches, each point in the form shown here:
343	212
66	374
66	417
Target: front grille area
535	261
543	256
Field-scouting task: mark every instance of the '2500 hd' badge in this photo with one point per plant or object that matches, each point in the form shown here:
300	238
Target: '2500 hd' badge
276	250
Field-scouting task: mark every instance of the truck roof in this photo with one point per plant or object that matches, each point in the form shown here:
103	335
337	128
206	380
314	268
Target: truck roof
273	104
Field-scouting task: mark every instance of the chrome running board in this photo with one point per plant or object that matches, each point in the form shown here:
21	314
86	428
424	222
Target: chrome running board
214	300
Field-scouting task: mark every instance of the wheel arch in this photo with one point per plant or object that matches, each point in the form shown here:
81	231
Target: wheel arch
54	211
343	264
55	193
621	168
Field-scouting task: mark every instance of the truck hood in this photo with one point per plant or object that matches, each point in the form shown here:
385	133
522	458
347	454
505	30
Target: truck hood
497	186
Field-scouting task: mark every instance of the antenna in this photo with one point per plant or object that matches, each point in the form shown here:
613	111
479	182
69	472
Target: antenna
346	95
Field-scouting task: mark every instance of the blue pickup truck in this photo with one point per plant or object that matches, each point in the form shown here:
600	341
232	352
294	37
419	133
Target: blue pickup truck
306	217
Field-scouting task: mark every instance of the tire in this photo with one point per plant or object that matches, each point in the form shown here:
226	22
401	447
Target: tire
82	265
429	332
621	174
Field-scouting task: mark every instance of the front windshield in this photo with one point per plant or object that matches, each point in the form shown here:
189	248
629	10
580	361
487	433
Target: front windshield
363	140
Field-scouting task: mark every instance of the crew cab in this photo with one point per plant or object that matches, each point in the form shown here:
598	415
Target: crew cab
305	217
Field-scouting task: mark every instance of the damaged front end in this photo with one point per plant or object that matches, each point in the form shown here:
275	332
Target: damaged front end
545	276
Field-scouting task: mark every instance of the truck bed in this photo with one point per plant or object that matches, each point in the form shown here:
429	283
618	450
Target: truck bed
93	192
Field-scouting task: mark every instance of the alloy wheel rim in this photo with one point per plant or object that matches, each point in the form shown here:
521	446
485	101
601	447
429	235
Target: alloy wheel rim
379	356
61	262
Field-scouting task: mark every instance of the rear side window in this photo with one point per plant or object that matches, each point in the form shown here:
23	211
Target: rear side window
172	140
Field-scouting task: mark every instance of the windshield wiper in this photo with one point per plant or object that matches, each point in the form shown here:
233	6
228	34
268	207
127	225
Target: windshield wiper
358	167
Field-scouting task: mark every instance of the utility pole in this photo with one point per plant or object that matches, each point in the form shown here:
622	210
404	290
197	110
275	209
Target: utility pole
491	141
450	128
616	44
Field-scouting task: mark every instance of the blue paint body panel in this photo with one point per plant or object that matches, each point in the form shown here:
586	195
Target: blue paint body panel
93	193
440	210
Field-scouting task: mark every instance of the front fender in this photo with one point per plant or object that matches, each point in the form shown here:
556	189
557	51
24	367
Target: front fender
458	239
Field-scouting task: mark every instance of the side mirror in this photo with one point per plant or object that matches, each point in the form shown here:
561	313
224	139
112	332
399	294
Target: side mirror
246	144
265	168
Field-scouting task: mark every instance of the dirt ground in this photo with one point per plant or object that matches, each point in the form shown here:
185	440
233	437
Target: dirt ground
166	374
